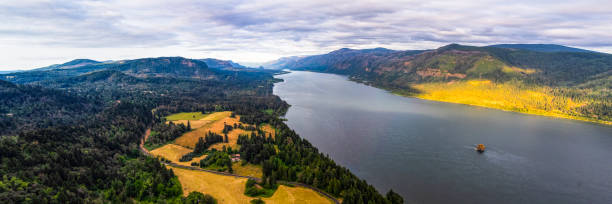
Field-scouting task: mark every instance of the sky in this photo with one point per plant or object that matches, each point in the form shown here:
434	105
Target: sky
39	33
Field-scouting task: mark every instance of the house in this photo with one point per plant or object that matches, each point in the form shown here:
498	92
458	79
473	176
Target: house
235	157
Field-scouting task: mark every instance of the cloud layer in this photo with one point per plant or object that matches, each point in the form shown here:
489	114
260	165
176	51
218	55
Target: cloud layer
38	33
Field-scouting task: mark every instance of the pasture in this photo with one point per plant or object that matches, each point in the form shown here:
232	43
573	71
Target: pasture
174	152
229	189
186	116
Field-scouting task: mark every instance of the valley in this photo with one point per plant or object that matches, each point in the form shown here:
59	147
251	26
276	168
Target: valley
72	135
543	80
305	102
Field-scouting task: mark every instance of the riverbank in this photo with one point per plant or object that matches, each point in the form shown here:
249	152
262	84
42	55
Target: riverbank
391	139
512	96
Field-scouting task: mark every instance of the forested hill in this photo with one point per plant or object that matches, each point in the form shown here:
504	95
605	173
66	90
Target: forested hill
578	81
541	47
222	64
72	135
146	67
454	62
68	65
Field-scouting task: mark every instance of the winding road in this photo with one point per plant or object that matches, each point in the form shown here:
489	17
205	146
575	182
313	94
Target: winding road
146	152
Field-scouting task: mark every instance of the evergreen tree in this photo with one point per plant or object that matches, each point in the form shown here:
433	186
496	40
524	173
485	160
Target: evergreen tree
394	198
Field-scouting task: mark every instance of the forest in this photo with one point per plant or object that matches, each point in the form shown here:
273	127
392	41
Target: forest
71	136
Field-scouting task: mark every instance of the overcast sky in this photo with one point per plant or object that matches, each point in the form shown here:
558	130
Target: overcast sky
40	33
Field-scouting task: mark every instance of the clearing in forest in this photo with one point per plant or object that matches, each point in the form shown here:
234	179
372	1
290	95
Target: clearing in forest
213	122
215	125
198	121
217	122
247	170
229	189
186	116
269	130
174	152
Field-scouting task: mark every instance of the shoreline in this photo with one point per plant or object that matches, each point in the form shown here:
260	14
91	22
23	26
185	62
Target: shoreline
528	112
558	116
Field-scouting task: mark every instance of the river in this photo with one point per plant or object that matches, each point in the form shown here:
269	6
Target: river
424	150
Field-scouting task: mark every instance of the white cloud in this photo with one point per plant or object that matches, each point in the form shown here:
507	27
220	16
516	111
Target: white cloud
39	33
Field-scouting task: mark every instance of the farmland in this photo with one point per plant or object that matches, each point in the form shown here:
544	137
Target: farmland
173	153
186	116
229	189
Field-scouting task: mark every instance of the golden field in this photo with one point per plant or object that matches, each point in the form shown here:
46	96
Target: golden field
510	96
286	194
215	125
174	152
247	170
229	189
269	130
186	116
194	123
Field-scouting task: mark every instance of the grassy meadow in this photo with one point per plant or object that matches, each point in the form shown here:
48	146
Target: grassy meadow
186	116
174	152
213	122
226	189
247	169
229	189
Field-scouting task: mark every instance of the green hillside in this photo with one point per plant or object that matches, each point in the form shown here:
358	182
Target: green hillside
562	84
73	135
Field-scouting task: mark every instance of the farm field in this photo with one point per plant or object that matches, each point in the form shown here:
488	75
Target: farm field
247	170
174	152
186	116
216	124
228	189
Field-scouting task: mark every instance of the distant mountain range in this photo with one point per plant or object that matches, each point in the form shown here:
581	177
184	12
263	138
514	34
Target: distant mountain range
222	64
71	64
453	62
145	67
570	82
211	62
541	47
282	62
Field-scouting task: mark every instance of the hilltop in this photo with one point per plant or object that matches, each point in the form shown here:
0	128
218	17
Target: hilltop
541	47
222	64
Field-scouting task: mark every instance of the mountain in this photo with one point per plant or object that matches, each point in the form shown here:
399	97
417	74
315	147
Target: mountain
10	71
281	63
222	64
563	84
146	67
68	65
541	47
453	62
335	58
164	66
